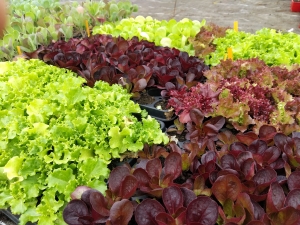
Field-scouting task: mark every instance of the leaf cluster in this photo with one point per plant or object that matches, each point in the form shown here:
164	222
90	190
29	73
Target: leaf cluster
246	93
170	33
203	42
240	179
134	64
39	22
272	46
57	134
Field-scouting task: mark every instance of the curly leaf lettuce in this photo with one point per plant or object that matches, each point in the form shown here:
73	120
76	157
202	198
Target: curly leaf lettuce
170	33
57	134
269	45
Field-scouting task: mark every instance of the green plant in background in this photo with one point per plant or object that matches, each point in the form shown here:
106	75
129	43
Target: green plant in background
38	22
58	134
269	45
170	33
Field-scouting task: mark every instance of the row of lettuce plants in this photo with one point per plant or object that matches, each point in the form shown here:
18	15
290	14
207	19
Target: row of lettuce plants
239	164
170	33
272	46
241	140
216	178
211	42
136	65
39	22
57	133
246	92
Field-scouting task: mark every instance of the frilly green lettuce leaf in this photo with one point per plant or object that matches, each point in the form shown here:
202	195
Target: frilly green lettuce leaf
170	33
58	134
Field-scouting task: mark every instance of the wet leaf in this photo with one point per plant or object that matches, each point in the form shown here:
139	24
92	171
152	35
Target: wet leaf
202	211
227	187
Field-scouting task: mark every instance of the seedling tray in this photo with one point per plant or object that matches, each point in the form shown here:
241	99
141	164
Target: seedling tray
7	218
164	115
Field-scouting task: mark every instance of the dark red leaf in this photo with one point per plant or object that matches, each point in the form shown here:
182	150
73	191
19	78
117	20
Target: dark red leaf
278	164
123	63
74	210
202	211
258	197
280	140
115	178
123	46
146	212
111	48
267	132
154	167
173	165
294	180
293	199
227	187
208	157
229	162
172	198
245	201
139	85
128	186
265	176
258	210
258	147
217	122
165	219
237	147
255	222
275	198
197	116
142	177
188	196
271	154
247	138
248	168
99	204
121	212
286	216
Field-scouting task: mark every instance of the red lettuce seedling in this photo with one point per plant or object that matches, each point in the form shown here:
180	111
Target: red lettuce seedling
133	64
177	211
153	178
113	209
198	130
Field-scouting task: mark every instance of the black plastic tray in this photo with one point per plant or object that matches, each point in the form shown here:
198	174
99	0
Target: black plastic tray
159	114
10	218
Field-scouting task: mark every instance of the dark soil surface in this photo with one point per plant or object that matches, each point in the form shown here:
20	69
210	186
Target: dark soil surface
163	104
145	99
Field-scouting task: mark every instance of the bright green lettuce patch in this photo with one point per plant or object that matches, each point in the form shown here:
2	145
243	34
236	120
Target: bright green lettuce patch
274	48
57	134
163	33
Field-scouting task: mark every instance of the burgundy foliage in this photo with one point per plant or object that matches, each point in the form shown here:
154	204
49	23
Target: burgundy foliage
246	93
218	177
237	165
133	64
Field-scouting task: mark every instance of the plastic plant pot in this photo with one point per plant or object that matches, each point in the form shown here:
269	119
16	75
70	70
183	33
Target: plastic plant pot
7	218
157	108
295	5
